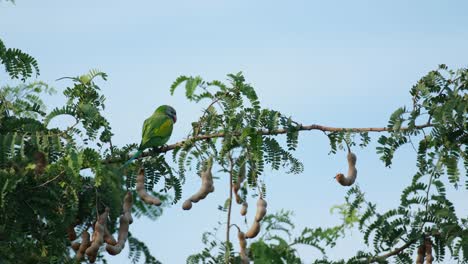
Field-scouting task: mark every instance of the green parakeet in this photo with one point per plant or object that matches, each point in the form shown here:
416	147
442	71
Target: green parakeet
157	130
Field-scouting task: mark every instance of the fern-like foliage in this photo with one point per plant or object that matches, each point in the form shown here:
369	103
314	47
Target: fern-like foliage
53	180
440	96
393	236
49	180
137	248
234	112
18	65
215	251
275	244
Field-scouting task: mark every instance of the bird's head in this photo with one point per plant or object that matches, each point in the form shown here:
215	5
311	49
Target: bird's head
167	110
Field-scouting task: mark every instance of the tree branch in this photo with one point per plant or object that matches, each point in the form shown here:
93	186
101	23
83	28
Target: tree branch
266	132
392	253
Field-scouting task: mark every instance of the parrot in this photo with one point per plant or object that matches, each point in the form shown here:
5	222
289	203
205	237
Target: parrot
157	130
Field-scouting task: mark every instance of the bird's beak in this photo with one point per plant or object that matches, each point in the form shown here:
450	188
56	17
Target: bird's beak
175	119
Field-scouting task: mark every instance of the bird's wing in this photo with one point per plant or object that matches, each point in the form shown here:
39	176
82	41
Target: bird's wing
156	130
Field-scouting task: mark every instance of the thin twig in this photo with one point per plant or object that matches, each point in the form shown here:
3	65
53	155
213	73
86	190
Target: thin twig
228	224
72	126
412	145
97	206
392	253
47	182
111	147
205	112
238	228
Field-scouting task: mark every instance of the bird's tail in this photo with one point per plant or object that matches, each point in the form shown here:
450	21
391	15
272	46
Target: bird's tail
136	155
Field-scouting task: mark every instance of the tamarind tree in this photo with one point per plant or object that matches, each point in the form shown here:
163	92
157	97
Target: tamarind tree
59	186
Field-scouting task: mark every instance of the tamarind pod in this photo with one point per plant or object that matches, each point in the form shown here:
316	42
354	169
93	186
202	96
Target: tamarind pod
123	228
420	257
122	238
114	250
140	188
127	206
187	205
206	186
108	238
352	171
242	172
238	198
207	177
41	163
243	246
349	180
244	258
71	233
344	181
85	243
236	186
75	246
244	207
98	236
205	189
351	157
124	222
242	241
240	179
261	209
253	231
211	188
428	248
92	258
200	195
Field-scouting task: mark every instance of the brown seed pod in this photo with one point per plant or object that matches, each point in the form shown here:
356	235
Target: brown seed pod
187	205
85	243
92	258
127	206
238	198
242	241
125	221
207	184
420	257
253	231
243	246
244	207
98	236
75	246
428	248
122	238
140	188
205	188
352	171
236	186
71	233
261	209
41	163
108	238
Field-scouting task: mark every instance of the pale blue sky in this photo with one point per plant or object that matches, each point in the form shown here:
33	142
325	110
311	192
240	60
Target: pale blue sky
336	63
